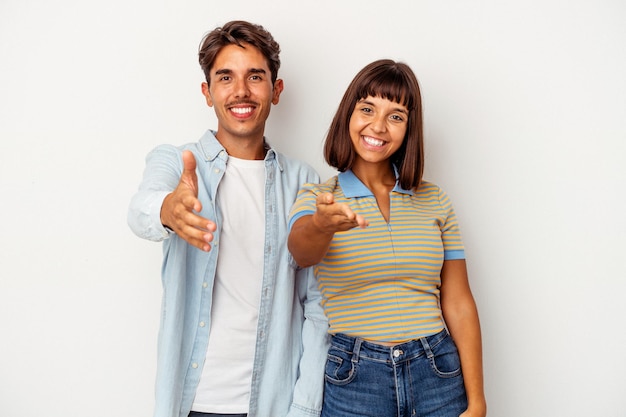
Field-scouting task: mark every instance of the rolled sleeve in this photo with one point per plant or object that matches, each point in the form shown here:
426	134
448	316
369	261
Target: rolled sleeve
161	176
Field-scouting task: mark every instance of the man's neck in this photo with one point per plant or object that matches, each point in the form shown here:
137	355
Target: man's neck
243	148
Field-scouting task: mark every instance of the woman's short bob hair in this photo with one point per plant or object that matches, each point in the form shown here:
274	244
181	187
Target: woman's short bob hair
390	80
239	32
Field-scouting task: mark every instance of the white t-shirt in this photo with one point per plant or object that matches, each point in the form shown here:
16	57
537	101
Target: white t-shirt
227	373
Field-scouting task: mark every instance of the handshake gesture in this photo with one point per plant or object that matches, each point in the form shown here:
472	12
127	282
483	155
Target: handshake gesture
311	235
331	217
180	208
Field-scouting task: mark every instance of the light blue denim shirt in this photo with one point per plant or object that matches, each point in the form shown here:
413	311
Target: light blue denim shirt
292	339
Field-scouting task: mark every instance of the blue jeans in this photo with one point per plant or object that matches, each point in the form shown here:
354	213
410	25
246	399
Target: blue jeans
418	378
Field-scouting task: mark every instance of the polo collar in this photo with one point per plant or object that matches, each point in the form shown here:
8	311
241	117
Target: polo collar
353	187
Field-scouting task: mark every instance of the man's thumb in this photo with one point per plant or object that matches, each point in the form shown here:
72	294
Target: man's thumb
189	177
189	163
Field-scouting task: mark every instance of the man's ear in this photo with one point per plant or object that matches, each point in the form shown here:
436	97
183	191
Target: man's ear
278	88
207	94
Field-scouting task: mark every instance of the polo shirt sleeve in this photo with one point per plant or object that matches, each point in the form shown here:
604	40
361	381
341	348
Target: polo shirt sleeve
305	203
453	247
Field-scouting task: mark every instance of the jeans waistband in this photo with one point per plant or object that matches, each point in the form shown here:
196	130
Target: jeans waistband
401	351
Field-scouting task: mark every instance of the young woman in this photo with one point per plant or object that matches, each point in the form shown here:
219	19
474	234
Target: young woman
390	263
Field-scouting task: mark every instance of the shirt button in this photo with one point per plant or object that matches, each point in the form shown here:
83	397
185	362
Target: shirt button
201	324
216	170
194	365
397	353
204	285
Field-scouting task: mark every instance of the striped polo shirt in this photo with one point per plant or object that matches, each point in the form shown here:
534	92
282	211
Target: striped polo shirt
382	283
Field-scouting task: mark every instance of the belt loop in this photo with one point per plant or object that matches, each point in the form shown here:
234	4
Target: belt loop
356	350
426	346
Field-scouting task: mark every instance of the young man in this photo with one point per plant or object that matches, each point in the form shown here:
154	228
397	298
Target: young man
242	331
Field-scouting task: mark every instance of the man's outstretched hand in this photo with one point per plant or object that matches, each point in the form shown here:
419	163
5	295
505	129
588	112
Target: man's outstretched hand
179	209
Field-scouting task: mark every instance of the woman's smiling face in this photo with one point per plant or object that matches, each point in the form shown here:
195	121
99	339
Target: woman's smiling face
377	128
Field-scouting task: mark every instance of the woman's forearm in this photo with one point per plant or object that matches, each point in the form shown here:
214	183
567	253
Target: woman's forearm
307	243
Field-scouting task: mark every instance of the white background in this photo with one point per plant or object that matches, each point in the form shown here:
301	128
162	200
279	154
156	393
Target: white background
525	121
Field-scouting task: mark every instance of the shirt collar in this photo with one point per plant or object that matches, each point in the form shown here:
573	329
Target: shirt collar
212	148
353	187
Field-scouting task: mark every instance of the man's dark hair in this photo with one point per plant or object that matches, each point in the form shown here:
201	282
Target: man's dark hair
239	32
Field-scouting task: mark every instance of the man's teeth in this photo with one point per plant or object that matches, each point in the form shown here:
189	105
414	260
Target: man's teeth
241	110
372	141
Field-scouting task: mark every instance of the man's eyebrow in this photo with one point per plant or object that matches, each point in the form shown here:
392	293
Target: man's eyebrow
223	71
229	71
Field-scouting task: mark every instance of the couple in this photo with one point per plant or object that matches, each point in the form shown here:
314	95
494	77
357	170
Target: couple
284	296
